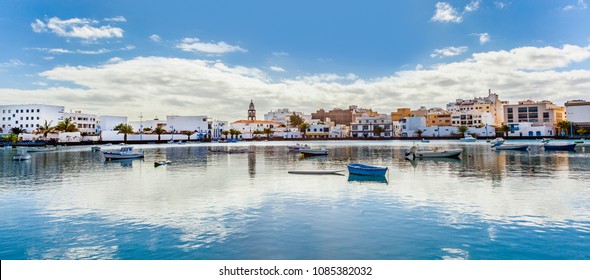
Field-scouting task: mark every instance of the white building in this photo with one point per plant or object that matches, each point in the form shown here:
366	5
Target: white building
247	127
438	131
339	131
477	111
281	116
217	127
411	124
178	124
364	126
317	131
578	112
530	129
143	124
86	123
29	117
108	123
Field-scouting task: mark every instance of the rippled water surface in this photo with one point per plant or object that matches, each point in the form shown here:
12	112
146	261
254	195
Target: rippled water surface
70	204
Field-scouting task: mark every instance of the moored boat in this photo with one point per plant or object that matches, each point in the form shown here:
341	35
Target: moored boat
95	148
436	153
367	170
297	147
559	147
314	152
511	147
317	172
21	155
497	142
124	153
162	162
40	149
425	140
467	138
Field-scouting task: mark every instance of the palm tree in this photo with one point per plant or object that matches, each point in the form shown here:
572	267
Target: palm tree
303	128
188	133
256	132
295	120
582	131
225	133
268	131
504	129
125	129
233	132
17	130
46	128
564	126
158	130
377	130
463	129
66	126
419	132
11	138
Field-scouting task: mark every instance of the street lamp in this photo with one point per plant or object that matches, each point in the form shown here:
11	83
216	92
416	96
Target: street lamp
140	126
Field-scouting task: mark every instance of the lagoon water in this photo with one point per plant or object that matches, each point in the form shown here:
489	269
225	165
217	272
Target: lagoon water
69	204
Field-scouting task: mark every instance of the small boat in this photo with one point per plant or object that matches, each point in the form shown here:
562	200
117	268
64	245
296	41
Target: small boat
467	138
40	149
579	141
95	148
545	140
124	153
317	172
436	153
109	144
314	152
171	142
21	155
366	170
297	147
497	142
502	147
180	143
425	140
559	147
162	162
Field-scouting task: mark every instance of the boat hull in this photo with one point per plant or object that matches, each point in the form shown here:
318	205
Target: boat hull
311	152
568	147
366	170
441	154
120	156
316	172
21	157
512	147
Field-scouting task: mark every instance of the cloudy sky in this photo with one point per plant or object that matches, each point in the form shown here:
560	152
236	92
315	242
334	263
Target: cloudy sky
212	57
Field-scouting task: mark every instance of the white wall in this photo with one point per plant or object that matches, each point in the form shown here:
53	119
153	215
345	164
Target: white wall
187	123
578	113
107	123
32	116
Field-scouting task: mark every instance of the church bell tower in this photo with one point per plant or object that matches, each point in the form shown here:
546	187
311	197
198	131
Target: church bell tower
251	112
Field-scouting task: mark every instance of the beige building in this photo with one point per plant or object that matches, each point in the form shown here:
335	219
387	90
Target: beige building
538	113
400	114
478	111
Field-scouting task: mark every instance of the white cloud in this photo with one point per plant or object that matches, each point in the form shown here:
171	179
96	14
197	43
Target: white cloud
580	5
161	85
448	51
82	28
277	69
78	51
472	6
116	19
446	13
501	5
155	38
483	38
195	45
12	63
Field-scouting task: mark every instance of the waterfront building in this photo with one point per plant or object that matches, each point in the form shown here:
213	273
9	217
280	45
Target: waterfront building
364	126
339	131
318	130
543	113
530	129
401	113
438	131
337	115
410	125
150	125
29	117
86	123
578	112
421	112
218	127
477	111
282	116
249	126
108	123
198	124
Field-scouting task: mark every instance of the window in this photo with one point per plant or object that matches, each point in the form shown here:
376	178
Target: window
533	115
522	116
37	110
3	118
27	118
21	118
3	111
533	109
27	110
9	111
546	115
510	116
37	118
16	122
522	109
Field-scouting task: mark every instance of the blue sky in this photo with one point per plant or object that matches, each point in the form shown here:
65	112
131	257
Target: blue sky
212	57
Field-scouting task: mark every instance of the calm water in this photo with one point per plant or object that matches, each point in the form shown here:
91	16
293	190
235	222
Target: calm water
69	204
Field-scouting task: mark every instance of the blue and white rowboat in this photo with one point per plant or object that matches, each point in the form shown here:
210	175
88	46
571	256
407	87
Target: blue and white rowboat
361	169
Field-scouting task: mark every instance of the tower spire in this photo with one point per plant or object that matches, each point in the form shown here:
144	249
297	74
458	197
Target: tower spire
251	112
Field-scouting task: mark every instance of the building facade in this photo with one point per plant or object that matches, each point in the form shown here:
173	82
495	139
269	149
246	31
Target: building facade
108	123
401	113
364	126
338	116
410	125
478	111
578	112
29	117
543	113
86	123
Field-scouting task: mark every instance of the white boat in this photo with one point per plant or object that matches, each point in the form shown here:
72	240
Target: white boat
425	140
162	162
124	153
436	153
498	141
314	152
317	172
95	148
297	147
40	149
468	138
21	155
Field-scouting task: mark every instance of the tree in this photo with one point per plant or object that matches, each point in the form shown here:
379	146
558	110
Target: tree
11	138
303	128
257	132
564	126
125	129
268	131
582	131
225	133
158	130
188	133
147	129
419	132
504	129
234	132
377	130
463	129
46	128
17	130
66	126
295	120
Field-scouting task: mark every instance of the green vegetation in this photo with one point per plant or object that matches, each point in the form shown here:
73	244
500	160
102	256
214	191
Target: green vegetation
125	129
66	126
158	130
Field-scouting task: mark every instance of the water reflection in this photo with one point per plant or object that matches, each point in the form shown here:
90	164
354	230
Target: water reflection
375	178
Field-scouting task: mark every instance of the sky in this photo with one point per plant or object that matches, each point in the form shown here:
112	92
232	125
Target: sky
211	58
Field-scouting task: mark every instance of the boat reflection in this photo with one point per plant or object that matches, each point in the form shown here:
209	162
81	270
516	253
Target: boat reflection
361	178
123	162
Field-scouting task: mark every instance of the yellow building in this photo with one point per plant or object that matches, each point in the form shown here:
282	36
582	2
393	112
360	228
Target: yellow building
400	114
